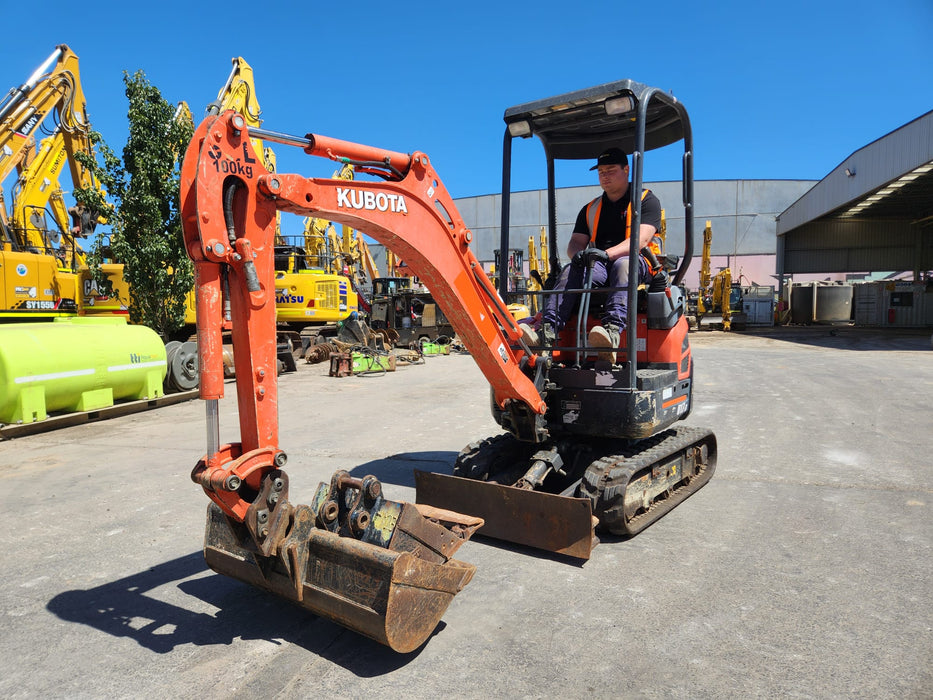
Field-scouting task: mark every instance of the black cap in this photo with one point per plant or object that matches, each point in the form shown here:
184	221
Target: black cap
611	156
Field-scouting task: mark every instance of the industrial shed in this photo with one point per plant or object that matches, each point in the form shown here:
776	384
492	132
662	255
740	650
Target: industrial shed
872	213
742	214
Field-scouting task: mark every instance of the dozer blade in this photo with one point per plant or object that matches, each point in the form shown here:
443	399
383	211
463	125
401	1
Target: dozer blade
560	524
394	593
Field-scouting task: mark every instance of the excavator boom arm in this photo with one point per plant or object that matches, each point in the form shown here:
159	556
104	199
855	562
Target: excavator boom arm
25	108
229	206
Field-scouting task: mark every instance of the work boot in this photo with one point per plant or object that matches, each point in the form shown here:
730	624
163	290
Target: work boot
546	337
606	336
529	334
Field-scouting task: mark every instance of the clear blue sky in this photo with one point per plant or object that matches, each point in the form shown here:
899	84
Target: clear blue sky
774	90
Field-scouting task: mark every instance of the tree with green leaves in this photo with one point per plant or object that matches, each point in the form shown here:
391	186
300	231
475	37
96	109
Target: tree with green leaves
145	214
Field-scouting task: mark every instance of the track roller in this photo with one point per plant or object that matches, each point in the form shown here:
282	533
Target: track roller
632	490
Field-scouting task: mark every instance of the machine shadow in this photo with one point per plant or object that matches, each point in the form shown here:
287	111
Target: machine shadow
847	337
399	469
136	607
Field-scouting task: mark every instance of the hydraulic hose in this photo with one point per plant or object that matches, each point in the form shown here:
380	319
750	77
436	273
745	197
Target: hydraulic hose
249	268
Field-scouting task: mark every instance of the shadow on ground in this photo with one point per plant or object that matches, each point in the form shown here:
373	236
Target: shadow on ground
844	336
138	607
399	469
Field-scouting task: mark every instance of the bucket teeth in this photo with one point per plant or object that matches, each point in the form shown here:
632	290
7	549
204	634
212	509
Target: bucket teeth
379	567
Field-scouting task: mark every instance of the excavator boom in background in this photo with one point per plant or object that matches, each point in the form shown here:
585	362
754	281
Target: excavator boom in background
42	269
307	291
717	294
39	216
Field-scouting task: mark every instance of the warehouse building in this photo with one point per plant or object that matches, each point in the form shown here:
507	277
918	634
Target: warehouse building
742	214
870	219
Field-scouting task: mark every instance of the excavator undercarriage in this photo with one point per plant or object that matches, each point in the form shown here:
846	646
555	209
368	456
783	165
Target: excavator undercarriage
557	496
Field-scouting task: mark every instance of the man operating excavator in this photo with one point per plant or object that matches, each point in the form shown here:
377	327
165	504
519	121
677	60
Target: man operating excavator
603	224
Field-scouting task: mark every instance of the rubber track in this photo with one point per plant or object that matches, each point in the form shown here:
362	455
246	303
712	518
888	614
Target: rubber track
606	479
493	459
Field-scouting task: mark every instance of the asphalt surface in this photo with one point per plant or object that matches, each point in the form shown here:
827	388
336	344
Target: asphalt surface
803	569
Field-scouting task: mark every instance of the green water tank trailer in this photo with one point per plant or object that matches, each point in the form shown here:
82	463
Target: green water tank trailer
76	364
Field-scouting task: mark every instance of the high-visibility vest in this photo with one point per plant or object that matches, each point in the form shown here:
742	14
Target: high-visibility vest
592	220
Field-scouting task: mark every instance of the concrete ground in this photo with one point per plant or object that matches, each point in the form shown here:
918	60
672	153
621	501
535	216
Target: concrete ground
802	570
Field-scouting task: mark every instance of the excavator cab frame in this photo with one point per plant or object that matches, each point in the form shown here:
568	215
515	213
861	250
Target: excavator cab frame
582	124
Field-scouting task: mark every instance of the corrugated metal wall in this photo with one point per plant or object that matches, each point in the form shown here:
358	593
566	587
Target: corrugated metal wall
893	303
855	246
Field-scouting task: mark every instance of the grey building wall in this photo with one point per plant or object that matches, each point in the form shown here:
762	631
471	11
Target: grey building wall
742	212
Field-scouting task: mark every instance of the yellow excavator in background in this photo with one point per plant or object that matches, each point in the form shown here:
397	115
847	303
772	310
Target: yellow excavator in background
38	217
39	221
309	287
239	94
539	267
366	256
513	267
391	268
306	292
717	294
524	305
54	87
42	274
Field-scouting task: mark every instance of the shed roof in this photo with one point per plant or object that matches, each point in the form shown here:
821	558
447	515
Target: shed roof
874	211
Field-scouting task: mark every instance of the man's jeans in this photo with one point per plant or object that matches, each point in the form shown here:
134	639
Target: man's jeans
559	307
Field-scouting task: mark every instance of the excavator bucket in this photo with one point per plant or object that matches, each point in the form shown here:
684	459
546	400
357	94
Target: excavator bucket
381	568
561	524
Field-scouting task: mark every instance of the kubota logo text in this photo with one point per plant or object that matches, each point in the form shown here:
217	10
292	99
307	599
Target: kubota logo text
349	198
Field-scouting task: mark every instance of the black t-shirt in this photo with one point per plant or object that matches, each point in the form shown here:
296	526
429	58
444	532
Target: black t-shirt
610	229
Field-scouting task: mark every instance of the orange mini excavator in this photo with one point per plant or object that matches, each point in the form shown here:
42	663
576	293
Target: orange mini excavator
586	443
